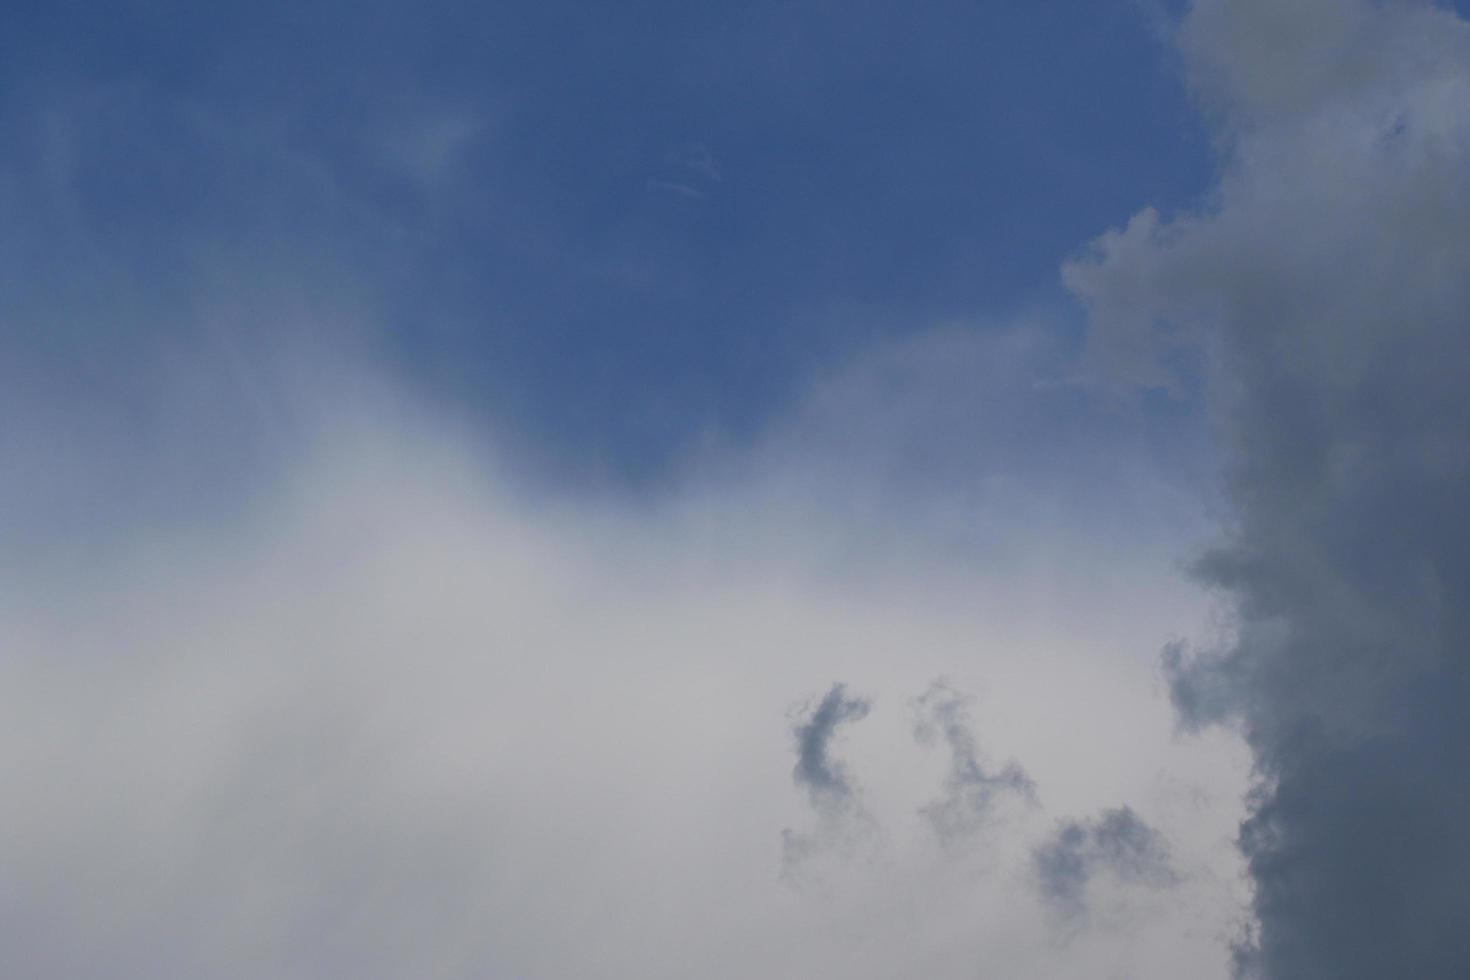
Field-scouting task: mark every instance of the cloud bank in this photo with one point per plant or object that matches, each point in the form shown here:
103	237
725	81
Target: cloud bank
1324	287
394	712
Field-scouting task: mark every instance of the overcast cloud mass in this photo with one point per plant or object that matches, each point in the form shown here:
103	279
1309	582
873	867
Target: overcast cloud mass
1328	280
805	490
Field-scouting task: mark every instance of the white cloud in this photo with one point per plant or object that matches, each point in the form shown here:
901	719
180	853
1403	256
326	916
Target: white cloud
400	716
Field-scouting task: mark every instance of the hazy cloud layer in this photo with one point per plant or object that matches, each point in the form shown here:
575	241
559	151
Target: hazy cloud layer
1324	287
396	714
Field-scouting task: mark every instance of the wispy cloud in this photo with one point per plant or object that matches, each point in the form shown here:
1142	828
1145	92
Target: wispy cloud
1117	843
970	791
829	787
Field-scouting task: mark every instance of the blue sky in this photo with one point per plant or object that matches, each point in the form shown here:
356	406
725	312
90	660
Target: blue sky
610	227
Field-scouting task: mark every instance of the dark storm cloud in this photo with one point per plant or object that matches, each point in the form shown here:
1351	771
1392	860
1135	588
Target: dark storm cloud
1117	843
970	791
828	785
1327	288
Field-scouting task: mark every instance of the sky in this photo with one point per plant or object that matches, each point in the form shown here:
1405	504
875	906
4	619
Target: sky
794	490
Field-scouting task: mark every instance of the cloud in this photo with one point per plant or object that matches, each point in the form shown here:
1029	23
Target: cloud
391	708
1325	285
970	792
828	785
824	778
1118	843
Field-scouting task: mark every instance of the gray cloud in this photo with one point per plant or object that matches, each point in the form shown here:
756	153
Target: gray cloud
824	777
970	792
1326	287
1118	843
829	787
